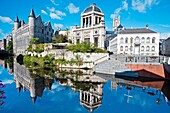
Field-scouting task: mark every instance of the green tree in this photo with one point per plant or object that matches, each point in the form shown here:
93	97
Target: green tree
9	47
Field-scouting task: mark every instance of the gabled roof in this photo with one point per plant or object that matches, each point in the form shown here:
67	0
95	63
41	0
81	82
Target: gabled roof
120	26
138	30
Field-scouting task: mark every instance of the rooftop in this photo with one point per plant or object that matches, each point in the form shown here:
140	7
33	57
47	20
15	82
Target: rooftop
92	7
134	31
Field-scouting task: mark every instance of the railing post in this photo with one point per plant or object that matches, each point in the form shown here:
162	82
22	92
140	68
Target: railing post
146	59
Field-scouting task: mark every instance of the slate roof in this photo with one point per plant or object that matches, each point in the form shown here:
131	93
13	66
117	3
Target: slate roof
120	26
134	31
90	8
16	19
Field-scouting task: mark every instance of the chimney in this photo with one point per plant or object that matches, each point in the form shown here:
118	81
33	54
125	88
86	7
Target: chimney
147	26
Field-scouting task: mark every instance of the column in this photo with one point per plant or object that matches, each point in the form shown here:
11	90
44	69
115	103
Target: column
82	22
85	22
88	21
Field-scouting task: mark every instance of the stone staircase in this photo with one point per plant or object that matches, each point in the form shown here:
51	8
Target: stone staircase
110	67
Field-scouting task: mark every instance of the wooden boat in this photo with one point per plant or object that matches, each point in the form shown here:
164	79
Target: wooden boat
127	74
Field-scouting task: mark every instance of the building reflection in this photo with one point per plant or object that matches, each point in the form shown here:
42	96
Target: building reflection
152	88
25	81
89	86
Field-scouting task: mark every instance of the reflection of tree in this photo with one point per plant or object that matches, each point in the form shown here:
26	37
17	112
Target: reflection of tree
2	93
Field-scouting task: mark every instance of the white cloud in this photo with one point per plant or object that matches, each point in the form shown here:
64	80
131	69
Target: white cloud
72	8
164	25
142	5
43	12
6	20
53	2
118	10
165	35
7	82
58	26
56	14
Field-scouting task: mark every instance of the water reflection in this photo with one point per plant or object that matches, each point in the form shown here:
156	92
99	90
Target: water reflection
90	88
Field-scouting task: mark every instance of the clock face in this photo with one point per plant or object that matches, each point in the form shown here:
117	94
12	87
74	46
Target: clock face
96	32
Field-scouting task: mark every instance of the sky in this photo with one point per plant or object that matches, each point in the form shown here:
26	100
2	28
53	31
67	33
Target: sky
66	13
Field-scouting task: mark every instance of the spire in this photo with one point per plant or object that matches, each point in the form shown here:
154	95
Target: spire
16	19
32	14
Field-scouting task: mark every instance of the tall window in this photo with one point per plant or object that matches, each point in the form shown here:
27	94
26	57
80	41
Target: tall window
148	40
147	48
121	48
121	40
143	40
137	40
153	40
126	40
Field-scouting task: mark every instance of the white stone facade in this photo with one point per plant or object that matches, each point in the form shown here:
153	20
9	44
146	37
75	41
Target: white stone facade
166	47
92	27
35	28
136	43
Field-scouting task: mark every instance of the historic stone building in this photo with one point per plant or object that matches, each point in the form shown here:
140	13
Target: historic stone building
92	27
35	28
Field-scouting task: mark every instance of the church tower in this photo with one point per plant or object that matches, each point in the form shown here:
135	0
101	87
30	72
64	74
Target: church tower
116	23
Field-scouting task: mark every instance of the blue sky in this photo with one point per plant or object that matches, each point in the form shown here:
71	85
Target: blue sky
66	13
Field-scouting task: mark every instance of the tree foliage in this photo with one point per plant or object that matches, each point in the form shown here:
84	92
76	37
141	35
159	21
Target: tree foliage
85	47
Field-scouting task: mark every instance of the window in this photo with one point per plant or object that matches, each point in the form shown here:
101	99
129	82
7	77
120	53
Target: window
148	40
121	48
153	40
147	48
137	40
121	40
126	48
42	31
78	41
153	48
131	48
87	39
143	40
126	40
47	33
142	48
131	40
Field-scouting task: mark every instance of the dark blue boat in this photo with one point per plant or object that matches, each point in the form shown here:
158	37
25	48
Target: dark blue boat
127	74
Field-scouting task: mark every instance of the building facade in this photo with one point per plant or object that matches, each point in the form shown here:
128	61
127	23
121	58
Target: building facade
92	27
166	47
139	41
23	32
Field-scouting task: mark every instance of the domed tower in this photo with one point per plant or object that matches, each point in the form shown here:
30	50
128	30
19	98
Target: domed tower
31	23
92	16
16	23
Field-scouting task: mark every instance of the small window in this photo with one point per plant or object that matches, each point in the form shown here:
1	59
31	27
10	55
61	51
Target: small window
153	48
121	40
143	40
126	48
131	40
153	40
137	40
142	48
42	31
121	48
147	48
126	40
148	40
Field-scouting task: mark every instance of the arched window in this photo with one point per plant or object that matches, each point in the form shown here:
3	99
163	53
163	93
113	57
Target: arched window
147	48
126	48
137	40
143	40
142	48
121	48
148	40
153	48
126	40
121	40
153	40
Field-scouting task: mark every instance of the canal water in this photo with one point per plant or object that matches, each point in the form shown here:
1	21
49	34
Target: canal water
50	90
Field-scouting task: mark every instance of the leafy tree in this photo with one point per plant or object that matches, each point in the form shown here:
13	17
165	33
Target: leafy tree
9	47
